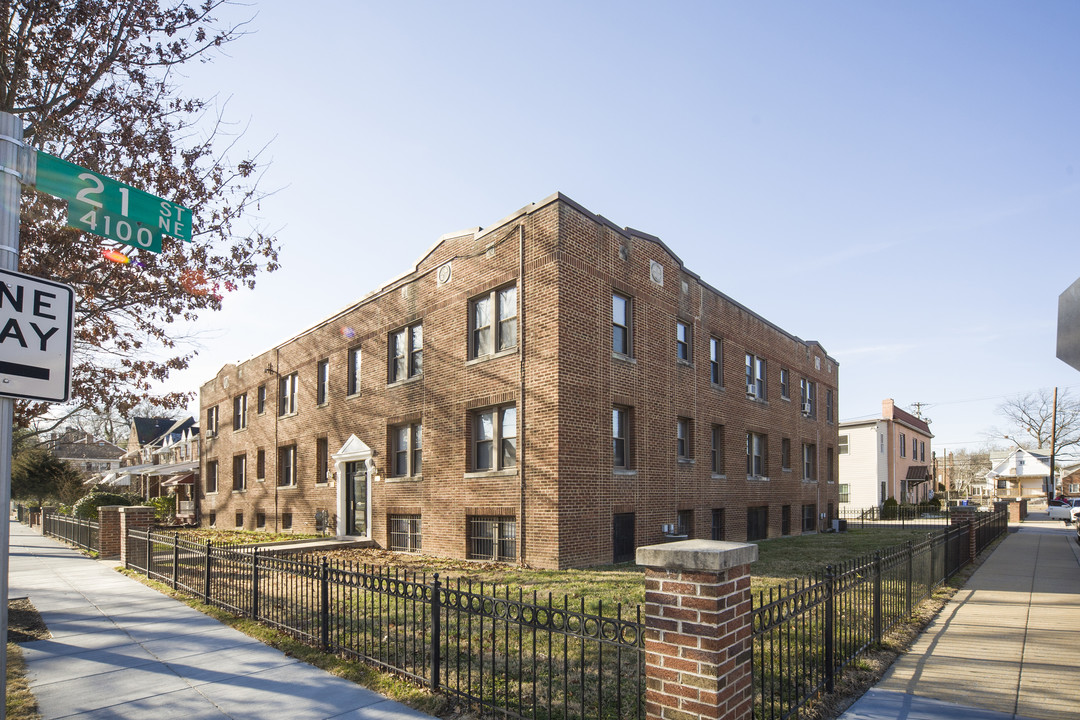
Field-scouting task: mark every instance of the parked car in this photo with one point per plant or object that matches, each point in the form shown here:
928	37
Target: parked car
1064	509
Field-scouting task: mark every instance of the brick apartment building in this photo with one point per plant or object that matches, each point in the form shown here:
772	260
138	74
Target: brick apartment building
553	390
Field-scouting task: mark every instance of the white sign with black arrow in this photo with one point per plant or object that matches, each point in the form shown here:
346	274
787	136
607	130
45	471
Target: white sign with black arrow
36	323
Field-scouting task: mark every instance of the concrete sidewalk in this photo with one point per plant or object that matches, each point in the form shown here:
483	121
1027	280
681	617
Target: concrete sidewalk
1006	646
122	650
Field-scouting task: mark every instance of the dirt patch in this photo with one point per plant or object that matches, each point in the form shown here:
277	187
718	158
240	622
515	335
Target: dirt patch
24	622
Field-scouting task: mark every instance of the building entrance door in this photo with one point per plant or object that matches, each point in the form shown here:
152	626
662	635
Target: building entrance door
356	500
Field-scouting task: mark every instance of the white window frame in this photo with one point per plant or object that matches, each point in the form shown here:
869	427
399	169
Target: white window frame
623	323
503	438
353	365
684	445
286	469
684	342
411	450
716	361
287	389
502	323
405	350
756	455
756	374
240	412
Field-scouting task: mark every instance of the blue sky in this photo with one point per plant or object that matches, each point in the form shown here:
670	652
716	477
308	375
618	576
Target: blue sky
899	181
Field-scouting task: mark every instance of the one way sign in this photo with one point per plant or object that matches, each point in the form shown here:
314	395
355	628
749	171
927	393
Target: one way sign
36	319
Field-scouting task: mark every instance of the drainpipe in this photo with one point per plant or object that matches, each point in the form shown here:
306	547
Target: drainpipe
277	452
521	394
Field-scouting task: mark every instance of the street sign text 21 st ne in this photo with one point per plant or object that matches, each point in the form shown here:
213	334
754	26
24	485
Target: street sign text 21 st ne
106	207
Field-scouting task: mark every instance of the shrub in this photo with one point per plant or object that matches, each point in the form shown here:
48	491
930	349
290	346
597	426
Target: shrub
164	507
889	509
87	507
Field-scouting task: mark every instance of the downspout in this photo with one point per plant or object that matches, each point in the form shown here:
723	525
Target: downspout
277	452
521	394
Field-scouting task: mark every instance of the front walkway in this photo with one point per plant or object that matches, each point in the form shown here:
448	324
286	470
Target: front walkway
1006	646
123	650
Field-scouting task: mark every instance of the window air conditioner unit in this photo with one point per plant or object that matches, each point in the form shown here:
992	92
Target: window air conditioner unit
806	408
751	390
667	529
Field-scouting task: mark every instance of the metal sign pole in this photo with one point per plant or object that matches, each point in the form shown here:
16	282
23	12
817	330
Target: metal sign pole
11	135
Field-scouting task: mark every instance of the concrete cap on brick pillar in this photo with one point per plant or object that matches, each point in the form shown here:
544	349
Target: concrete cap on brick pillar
697	555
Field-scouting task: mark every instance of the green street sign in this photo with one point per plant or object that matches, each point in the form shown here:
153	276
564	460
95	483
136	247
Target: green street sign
106	207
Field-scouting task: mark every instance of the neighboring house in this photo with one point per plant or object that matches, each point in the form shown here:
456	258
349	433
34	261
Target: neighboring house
93	458
885	458
1070	479
1019	474
553	390
162	453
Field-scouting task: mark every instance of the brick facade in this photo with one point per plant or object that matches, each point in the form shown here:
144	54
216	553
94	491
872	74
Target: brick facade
561	377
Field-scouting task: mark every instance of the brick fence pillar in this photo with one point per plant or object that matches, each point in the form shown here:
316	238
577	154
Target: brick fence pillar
109	531
134	517
698	629
964	515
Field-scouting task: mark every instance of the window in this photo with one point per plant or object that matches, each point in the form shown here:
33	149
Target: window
239	473
785	383
239	412
755	377
405	533
260	520
757	522
718	449
716	361
830	465
684	341
322	461
286	521
684	523
620	324
809	461
494	438
845	493
620	438
239	521
903	445
322	381
755	454
213	519
406	450
493	538
260	400
211	476
843	444
493	322
881	443
785	520
785	453
406	348
717	529
287	466
809	397
352	379
683	437
287	394
260	464
212	421
922	451
828	405
809	518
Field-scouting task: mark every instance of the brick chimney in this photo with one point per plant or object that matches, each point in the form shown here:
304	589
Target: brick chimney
887	406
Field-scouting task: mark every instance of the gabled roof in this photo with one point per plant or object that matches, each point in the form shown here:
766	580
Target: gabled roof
148	429
1021	463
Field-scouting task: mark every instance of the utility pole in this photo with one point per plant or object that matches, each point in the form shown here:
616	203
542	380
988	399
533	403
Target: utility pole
1053	448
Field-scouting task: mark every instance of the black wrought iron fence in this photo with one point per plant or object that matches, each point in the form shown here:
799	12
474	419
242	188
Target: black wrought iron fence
805	634
496	650
79	532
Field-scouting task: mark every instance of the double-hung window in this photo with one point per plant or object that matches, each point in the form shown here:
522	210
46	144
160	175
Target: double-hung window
718	449
287	466
716	361
406	349
620	438
684	341
493	322
785	383
620	324
683	438
755	377
352	379
809	454
809	397
828	405
322	381
287	388
407	447
260	400
756	465
903	445
239	412
211	476
212	421
239	473
494	445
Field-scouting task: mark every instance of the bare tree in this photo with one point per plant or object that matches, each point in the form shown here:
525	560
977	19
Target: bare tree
92	81
1032	415
964	467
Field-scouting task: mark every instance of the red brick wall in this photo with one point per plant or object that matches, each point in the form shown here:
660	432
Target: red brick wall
564	367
